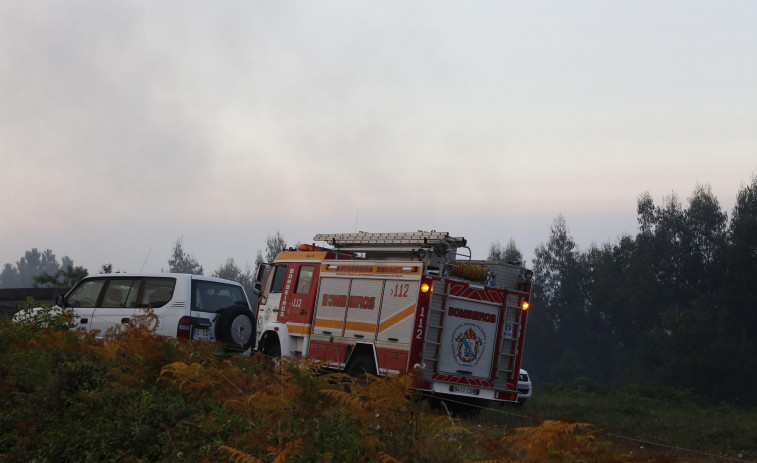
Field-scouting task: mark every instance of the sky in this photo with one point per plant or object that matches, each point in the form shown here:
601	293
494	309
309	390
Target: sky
125	126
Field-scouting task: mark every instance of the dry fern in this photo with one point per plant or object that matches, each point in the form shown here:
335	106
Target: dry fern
287	451
562	441
238	456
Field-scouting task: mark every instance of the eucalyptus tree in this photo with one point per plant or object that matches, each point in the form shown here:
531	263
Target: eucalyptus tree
181	261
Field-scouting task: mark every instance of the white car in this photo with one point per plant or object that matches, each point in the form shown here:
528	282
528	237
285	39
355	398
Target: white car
186	306
524	386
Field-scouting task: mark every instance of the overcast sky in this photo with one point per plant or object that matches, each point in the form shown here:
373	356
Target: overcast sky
125	125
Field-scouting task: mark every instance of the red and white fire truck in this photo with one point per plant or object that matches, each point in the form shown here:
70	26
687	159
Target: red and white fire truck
383	303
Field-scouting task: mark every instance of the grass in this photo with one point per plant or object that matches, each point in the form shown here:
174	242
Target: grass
643	420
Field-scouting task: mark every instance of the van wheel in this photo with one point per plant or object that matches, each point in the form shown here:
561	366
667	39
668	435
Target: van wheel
236	328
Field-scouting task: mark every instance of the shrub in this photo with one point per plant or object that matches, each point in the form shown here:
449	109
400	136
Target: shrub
132	395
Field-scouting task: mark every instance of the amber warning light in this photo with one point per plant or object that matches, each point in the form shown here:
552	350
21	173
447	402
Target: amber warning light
425	287
525	305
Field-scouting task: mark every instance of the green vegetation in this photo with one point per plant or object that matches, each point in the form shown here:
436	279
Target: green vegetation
671	306
41	269
642	419
134	396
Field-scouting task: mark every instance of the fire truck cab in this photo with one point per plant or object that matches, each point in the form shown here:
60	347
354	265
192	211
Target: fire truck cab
382	303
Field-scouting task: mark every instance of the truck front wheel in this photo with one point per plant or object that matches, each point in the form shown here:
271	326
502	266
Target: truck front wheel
270	345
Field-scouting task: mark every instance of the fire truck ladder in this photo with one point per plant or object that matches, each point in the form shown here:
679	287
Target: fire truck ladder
392	242
430	353
508	350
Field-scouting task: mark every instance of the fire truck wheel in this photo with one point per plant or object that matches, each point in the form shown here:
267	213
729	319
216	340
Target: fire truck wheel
457	407
235	328
362	365
270	345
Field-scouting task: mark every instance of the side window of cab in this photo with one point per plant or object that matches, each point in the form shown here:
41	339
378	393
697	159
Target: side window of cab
278	278
304	279
86	294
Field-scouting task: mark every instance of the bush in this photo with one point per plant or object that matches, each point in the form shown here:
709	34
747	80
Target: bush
131	395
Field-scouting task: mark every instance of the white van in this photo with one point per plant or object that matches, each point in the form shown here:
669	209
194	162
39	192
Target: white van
525	388
187	306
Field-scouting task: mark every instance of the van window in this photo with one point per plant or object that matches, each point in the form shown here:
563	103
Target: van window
85	295
209	296
121	293
158	292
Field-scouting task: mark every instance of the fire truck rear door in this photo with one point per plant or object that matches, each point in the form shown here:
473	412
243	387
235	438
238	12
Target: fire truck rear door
469	338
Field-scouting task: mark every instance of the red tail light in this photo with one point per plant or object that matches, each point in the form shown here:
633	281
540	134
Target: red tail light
184	331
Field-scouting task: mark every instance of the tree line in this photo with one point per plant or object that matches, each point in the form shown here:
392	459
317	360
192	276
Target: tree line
674	305
42	270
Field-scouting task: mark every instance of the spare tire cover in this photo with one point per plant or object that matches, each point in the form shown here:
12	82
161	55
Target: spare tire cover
236	327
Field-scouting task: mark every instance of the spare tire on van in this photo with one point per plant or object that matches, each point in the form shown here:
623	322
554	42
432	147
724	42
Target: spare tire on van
236	328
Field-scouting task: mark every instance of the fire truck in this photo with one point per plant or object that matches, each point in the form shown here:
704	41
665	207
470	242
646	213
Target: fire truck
382	303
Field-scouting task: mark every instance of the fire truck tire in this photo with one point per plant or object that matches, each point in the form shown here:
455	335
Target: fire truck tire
457	407
274	349
362	365
235	328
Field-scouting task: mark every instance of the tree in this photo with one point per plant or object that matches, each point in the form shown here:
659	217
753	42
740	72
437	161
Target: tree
509	253
553	262
274	245
230	271
557	322
9	277
41	269
182	262
66	277
740	292
742	257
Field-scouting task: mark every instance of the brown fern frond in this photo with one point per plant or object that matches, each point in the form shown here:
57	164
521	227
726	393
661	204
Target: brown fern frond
290	450
190	379
344	399
259	403
354	405
238	456
384	458
561	440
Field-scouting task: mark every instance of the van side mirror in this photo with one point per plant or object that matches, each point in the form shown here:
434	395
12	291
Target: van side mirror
60	300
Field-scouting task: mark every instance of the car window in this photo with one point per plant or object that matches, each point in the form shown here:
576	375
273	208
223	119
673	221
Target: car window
85	294
278	279
209	296
158	292
121	292
304	279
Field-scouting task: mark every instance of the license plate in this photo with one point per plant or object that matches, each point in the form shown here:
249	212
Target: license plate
464	390
202	334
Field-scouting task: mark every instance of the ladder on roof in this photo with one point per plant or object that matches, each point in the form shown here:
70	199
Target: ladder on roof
397	242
